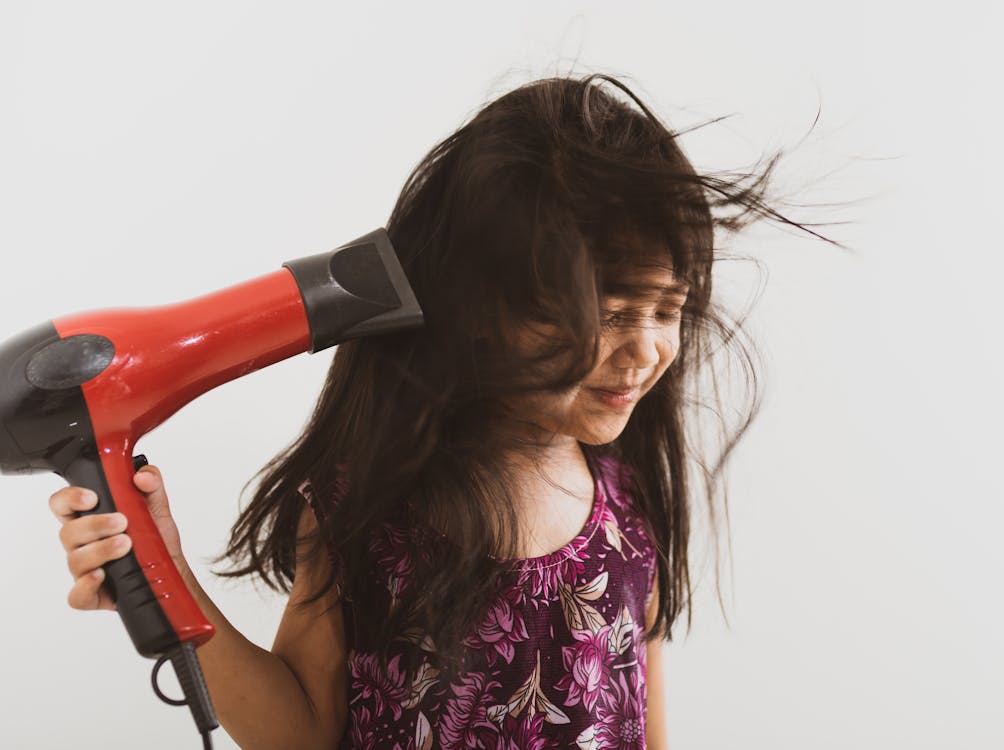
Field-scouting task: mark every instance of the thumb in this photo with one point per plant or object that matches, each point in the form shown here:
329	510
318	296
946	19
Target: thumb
149	481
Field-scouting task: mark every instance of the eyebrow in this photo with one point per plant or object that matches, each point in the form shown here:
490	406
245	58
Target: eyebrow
676	288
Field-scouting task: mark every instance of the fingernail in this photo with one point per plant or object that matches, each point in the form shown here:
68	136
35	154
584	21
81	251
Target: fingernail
88	497
122	542
118	521
98	574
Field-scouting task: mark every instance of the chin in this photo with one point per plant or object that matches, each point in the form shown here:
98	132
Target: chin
601	434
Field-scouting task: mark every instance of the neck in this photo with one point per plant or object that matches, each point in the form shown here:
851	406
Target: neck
525	443
554	491
558	462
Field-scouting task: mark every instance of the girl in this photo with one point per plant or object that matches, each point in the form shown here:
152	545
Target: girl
483	528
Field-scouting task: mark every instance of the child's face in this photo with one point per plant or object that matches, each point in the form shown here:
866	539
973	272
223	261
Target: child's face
640	338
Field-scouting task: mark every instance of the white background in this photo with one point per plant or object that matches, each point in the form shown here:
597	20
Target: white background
151	153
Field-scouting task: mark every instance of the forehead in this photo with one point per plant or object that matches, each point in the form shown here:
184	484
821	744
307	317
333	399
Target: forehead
647	281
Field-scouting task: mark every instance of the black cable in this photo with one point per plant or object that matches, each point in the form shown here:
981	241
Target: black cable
193	685
156	688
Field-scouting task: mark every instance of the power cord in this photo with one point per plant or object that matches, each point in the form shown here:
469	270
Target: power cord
193	685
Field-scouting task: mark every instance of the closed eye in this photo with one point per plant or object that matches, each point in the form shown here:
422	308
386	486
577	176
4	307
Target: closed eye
616	318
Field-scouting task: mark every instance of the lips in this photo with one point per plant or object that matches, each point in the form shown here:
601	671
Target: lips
618	390
617	397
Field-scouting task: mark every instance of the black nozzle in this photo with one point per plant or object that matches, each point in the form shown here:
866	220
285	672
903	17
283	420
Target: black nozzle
357	289
44	422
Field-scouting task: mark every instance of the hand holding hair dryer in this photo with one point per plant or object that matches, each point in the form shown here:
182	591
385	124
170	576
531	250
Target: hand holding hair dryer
77	393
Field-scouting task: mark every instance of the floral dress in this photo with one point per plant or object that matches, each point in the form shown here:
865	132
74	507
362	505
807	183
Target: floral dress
558	661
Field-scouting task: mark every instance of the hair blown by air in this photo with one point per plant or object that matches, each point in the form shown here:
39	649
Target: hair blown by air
527	212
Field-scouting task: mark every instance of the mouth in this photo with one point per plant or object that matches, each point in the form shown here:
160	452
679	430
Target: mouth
617	397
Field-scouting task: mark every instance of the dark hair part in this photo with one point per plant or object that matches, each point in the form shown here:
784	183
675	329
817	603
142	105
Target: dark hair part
526	213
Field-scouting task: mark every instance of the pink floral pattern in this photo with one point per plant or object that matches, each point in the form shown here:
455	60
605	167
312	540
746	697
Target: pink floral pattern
525	733
465	719
395	559
557	660
588	666
622	717
501	629
542	576
368	682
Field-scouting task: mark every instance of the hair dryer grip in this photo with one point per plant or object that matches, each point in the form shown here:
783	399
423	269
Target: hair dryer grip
151	597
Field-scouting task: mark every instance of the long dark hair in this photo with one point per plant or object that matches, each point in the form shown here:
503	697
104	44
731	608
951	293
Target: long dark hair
526	213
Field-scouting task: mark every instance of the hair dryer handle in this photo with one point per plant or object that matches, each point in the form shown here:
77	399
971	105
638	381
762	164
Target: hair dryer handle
151	597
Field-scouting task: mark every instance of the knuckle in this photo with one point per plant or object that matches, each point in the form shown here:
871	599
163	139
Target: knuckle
76	562
57	500
66	535
76	533
75	598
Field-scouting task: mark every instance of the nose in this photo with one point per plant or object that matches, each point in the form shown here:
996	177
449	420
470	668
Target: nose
638	350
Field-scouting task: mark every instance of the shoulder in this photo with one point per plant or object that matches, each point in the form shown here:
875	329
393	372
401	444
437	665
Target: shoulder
323	496
627	525
322	499
618	479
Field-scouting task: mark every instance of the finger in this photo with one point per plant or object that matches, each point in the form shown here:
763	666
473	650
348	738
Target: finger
88	592
65	503
87	529
84	559
150	482
149	479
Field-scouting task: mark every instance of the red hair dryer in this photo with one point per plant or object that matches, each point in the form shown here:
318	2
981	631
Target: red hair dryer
77	392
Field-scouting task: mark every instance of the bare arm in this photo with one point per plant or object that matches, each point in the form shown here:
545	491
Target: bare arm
293	696
311	642
257	695
655	727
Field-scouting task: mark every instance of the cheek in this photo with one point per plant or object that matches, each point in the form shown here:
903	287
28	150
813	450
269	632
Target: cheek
668	347
607	348
548	410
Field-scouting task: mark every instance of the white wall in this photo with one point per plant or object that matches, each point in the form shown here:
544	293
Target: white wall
150	153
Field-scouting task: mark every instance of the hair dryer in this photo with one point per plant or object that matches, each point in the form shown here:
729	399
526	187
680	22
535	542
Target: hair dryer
77	392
